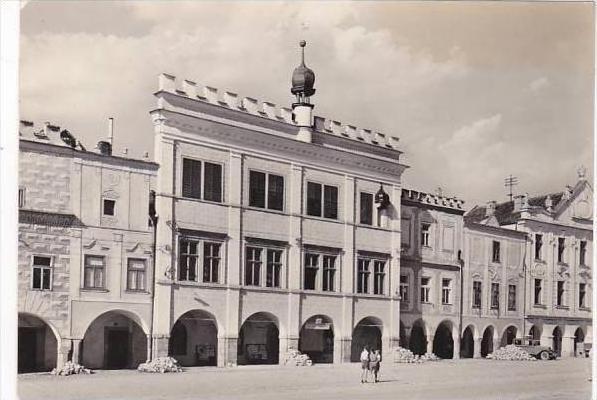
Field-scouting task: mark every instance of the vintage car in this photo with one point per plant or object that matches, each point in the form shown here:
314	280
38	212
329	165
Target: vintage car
534	348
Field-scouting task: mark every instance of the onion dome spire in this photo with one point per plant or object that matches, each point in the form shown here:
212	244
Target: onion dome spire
303	79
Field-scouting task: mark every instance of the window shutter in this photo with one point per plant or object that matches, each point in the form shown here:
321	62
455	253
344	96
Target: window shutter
191	178
257	189
213	182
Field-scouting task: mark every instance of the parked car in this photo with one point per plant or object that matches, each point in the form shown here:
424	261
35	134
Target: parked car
534	348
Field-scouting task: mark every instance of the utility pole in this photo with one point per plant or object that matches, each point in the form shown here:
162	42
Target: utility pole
510	182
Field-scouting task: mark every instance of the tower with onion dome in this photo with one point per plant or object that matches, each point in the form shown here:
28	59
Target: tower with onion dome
303	79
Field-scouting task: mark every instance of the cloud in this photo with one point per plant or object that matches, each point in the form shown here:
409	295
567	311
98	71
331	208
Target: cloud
538	84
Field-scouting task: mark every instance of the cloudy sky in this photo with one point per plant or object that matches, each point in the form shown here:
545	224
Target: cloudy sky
475	91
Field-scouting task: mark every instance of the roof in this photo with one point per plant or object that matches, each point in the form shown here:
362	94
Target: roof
504	212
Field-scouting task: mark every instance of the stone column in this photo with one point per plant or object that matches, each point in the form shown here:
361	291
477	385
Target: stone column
477	347
76	345
456	340
63	349
346	349
160	345
148	358
568	346
429	343
227	351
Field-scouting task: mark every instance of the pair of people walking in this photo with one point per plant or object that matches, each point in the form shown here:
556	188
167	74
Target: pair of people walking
370	363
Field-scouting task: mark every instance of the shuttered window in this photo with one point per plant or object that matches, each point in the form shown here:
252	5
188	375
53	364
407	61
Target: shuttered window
213	182
191	178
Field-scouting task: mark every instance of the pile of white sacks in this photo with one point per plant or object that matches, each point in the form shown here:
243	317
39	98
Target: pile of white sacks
70	368
402	355
296	359
161	365
511	353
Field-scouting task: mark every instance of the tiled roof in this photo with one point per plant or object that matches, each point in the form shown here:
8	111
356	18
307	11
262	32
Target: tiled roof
504	212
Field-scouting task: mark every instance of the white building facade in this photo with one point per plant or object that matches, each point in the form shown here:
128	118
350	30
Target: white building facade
277	230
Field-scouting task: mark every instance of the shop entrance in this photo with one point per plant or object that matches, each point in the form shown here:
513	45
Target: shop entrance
117	351
37	345
317	339
258	341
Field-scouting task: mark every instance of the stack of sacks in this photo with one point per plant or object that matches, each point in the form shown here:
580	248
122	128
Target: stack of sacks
70	368
296	359
402	355
161	365
511	353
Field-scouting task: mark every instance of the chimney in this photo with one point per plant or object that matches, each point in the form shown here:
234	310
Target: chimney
490	208
111	131
519	200
549	203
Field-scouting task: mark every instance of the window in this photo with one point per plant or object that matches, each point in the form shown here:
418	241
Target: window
477	294
404	288
21	197
366	208
511	297
94	272
211	262
560	294
109	206
495	295
273	268
561	248
425	289
213	182
187	270
262	185
583	252
135	274
538	246
253	266
311	267
329	273
269	275
316	202
425	228
189	260
582	291
378	276
42	273
192	173
363	275
495	251
446	291
191	178
538	287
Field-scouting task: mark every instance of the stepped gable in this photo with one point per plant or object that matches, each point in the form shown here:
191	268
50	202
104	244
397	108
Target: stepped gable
269	110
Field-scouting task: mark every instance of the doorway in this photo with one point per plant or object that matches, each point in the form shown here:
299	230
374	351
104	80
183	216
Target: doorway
117	348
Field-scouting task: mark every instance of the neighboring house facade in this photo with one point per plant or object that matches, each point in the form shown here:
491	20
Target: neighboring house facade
277	230
557	261
85	247
493	281
432	236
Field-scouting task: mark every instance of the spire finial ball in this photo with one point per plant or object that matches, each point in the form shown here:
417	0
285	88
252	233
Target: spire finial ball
302	43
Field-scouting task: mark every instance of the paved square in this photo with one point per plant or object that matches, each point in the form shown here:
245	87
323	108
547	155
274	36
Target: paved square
464	379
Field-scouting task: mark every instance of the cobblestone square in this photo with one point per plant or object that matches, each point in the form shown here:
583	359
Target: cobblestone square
565	379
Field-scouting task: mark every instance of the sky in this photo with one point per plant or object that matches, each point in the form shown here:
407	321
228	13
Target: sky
475	91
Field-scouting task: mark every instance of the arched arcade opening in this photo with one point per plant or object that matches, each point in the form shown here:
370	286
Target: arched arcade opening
579	342
508	336
37	345
443	343
557	341
367	333
194	339
467	343
114	340
258	340
487	341
418	338
316	339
